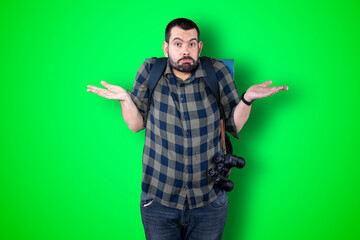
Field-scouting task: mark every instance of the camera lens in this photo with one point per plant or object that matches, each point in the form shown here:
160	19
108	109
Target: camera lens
219	158
212	172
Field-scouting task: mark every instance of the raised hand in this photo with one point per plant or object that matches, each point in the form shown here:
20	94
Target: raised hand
112	91
261	91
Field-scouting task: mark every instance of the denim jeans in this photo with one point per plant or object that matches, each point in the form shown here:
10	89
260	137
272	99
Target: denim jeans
165	223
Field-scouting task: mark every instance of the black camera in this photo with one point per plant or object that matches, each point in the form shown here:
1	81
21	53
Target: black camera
221	172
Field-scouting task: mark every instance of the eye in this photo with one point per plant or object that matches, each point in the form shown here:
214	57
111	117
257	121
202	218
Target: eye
192	44
178	44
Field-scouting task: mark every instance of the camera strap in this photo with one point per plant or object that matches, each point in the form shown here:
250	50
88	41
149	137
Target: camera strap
222	124
211	80
213	83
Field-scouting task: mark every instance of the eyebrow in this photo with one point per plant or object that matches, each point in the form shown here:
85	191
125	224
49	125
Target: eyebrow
177	38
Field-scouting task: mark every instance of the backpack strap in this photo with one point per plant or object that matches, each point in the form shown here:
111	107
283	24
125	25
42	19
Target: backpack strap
212	82
155	74
210	79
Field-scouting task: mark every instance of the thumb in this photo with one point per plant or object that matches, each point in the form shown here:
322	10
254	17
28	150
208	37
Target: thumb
267	83
105	84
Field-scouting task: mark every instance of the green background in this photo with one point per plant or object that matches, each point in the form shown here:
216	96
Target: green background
71	169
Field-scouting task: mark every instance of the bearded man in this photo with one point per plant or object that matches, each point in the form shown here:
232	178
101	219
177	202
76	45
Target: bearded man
182	122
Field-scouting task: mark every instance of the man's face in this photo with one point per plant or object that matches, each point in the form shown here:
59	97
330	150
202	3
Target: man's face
183	49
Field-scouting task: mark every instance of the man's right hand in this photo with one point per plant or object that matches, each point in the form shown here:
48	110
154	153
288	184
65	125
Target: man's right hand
112	91
130	112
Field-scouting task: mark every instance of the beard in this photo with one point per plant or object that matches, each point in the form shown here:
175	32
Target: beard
185	67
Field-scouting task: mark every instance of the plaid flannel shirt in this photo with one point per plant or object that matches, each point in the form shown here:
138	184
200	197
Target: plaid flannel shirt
183	133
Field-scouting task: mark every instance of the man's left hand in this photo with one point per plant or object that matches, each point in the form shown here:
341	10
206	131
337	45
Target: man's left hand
261	91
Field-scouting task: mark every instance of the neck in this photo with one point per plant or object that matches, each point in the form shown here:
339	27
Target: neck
182	75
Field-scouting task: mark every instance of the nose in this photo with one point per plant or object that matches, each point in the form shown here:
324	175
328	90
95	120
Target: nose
185	51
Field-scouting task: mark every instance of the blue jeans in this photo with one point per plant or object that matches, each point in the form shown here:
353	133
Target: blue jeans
165	223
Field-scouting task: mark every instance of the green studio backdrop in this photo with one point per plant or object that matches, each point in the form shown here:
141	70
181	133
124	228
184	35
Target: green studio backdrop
71	169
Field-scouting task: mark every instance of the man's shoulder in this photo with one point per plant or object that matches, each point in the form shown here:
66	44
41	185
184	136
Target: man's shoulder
152	60
218	64
149	63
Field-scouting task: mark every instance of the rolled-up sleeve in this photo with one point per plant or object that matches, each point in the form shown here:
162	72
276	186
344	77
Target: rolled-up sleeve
229	96
140	92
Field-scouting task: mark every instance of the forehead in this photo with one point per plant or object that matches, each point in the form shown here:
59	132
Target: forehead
185	35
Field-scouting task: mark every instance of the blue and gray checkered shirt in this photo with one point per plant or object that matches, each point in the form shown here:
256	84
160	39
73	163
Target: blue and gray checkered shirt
182	133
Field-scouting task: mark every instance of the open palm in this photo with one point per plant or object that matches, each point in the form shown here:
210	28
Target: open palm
262	90
112	91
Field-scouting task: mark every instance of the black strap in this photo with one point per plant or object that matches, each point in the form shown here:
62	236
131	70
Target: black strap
210	79
212	82
155	74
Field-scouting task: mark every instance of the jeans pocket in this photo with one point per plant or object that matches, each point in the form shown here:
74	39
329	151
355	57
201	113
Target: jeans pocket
146	200
220	202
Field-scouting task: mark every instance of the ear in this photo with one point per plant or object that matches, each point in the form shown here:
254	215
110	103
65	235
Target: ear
165	48
200	47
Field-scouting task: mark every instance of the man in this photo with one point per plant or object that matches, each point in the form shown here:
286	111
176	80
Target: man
179	200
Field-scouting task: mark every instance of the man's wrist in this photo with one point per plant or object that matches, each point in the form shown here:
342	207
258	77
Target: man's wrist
126	101
126	97
246	99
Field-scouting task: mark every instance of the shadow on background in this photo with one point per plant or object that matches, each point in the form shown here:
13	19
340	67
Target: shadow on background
243	179
238	198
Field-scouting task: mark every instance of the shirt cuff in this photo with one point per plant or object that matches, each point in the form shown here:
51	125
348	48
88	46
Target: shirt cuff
142	107
230	126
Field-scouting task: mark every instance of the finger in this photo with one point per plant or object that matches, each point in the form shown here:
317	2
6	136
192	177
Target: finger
94	88
267	83
105	95
277	89
113	88
100	91
105	84
283	88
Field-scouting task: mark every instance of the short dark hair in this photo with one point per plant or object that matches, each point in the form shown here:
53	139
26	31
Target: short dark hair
183	23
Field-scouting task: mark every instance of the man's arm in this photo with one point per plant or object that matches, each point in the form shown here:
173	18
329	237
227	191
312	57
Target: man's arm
130	112
242	111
